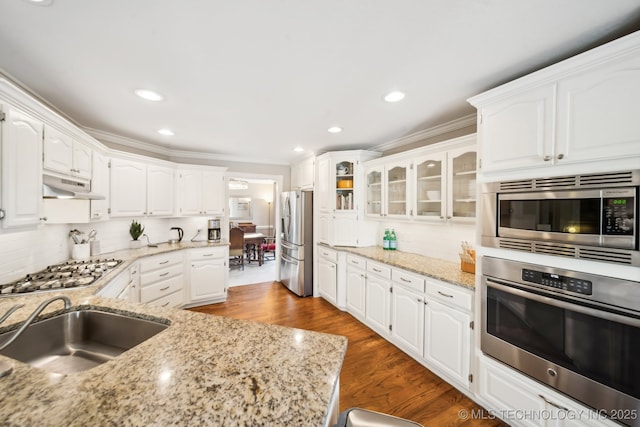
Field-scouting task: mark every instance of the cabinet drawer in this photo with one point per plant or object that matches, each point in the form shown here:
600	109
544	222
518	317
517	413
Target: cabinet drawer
160	289
449	295
410	280
160	274
379	270
159	261
207	253
327	254
171	300
356	261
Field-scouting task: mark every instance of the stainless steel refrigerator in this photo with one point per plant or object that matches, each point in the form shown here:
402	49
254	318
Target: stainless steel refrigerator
296	256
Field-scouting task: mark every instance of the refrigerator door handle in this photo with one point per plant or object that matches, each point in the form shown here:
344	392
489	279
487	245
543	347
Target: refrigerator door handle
287	245
288	259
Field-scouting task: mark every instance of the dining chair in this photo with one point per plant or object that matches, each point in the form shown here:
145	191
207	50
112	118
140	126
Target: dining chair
269	247
236	246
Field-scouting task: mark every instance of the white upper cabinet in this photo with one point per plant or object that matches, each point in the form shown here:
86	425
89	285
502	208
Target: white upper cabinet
461	183
430	185
388	189
66	155
518	131
598	112
128	188
302	174
201	192
583	109
100	185
160	190
21	168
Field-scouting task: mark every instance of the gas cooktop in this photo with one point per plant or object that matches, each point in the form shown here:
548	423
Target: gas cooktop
71	274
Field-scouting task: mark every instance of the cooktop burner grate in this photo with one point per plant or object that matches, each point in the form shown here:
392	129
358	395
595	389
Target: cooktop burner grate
70	274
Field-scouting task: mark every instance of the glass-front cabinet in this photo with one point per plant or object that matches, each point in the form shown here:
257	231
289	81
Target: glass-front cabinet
462	182
387	189
430	186
344	183
374	190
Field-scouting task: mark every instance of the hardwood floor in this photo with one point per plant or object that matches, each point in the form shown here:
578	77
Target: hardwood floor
375	374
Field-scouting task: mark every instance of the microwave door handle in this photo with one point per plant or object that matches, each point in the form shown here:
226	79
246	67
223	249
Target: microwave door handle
564	305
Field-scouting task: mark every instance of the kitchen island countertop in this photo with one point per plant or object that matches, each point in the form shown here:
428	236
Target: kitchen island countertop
202	370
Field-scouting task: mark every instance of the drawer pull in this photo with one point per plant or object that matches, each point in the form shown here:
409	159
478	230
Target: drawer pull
353	261
377	270
166	303
165	288
405	280
325	254
164	262
562	408
164	274
445	295
207	254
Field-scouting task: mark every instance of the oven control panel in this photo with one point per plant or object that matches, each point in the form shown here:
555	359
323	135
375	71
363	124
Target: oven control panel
571	284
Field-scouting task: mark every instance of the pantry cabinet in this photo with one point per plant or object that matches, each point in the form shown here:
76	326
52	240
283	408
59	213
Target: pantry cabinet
21	168
66	155
579	110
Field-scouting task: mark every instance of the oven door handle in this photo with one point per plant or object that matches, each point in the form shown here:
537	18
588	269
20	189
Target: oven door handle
587	310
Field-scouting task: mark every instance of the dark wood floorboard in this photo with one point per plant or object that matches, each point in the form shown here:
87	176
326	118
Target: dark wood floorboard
375	374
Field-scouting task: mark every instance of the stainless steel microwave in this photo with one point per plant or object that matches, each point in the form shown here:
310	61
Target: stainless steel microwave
591	216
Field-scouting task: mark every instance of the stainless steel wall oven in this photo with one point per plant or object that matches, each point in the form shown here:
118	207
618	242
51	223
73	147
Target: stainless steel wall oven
576	332
592	216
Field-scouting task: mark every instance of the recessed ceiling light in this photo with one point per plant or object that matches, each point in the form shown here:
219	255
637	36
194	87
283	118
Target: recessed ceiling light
298	149
394	96
149	95
167	132
40	2
334	129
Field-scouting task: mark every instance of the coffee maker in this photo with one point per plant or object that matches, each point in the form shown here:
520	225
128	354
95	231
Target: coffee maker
213	235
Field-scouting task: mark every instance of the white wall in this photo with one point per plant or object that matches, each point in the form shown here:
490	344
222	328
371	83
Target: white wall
259	206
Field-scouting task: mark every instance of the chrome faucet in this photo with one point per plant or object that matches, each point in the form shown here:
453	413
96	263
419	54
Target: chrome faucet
36	312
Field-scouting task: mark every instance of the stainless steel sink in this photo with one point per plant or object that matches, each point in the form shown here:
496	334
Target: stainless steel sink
79	340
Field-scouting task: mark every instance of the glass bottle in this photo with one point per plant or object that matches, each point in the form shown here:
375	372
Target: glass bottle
393	241
386	240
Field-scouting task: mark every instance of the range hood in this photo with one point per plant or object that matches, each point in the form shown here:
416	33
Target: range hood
67	188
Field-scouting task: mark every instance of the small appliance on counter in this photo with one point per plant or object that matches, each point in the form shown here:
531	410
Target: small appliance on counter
213	235
176	239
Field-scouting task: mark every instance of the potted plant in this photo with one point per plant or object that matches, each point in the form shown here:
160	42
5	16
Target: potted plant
135	230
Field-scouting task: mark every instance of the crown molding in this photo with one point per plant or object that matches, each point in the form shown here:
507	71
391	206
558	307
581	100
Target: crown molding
432	132
168	152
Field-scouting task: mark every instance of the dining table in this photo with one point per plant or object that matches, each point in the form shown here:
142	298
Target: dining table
253	245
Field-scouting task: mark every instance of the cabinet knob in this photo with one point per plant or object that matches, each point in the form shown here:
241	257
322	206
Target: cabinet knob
546	158
44	218
560	156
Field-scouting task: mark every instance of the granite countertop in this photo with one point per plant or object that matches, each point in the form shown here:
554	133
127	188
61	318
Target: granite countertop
432	267
202	370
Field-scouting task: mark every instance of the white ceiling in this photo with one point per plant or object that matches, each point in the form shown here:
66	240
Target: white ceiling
252	79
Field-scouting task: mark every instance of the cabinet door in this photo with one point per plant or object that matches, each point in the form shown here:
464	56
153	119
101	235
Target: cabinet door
190	192
447	340
344	230
100	185
323	228
375	196
324	185
21	169
518	132
356	292
327	276
397	189
160	192
213	199
598	113
377	305
461	183
82	164
58	151
128	188
342	173
407	319
430	186
207	279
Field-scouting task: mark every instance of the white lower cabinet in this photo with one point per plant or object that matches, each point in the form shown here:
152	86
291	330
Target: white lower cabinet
407	319
207	275
161	276
521	401
328	274
356	286
378	298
